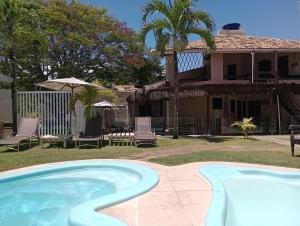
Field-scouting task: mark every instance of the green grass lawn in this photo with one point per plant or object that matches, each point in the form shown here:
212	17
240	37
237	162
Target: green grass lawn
11	159
247	151
258	157
168	152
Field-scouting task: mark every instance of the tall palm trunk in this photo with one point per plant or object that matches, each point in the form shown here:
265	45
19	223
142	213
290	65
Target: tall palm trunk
175	97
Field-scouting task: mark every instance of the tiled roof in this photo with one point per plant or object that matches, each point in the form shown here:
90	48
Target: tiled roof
243	42
125	88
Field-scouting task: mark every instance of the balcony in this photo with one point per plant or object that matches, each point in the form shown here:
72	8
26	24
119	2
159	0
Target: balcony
261	67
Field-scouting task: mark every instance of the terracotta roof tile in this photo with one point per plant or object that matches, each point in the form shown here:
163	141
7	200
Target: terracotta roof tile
242	42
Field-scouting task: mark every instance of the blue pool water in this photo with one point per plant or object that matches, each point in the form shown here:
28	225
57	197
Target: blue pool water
47	198
247	197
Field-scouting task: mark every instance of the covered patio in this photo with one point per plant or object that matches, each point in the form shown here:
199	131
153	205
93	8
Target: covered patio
211	108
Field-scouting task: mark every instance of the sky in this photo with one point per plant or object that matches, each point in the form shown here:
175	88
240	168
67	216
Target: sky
266	18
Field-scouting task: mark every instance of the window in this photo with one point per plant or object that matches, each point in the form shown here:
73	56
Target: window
283	65
264	65
217	103
231	71
232	106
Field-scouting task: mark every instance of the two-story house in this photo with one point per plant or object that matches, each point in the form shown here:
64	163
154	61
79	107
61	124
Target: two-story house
245	76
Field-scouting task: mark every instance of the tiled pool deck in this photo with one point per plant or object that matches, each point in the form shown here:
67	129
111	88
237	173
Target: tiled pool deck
181	198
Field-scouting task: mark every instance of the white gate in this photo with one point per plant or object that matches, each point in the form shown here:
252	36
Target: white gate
52	108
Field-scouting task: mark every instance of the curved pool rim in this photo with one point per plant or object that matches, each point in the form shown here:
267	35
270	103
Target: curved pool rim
85	214
216	215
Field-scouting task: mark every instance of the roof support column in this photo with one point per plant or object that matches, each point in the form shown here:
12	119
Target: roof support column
252	66
167	113
207	114
276	65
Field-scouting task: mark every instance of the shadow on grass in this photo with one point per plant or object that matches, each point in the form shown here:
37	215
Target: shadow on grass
71	145
146	146
24	146
210	139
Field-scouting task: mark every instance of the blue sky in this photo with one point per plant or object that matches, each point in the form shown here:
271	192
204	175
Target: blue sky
270	18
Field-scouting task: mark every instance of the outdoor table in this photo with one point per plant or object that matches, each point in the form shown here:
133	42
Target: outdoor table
55	139
126	137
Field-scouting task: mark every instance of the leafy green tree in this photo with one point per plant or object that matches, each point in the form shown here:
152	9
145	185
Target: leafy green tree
61	38
86	42
172	22
245	126
19	31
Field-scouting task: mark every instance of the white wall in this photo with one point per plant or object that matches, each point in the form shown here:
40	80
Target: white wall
5	106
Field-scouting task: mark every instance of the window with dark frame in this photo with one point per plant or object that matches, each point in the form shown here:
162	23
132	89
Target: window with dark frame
232	106
283	65
264	65
231	72
217	104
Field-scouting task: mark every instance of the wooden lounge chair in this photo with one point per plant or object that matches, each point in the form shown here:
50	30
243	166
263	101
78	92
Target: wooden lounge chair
295	139
27	131
143	132
93	133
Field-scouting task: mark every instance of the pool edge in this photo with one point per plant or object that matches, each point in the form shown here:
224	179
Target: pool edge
85	213
216	215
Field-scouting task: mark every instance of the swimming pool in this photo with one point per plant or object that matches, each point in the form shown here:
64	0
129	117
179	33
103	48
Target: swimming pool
69	194
247	197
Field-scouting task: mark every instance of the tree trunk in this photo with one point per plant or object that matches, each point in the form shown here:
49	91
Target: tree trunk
13	91
11	57
175	97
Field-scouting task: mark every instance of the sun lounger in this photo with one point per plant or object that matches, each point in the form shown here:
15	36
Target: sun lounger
143	131
295	139
27	130
93	133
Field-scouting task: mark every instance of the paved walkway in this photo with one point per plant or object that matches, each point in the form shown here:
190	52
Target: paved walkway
277	139
181	198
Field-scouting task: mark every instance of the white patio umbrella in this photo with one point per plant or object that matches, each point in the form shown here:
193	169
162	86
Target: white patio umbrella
104	104
67	84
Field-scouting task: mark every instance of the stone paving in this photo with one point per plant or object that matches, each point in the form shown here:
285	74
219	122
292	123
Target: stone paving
181	198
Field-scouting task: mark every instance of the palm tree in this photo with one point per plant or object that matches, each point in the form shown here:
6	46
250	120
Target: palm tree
89	96
245	126
172	23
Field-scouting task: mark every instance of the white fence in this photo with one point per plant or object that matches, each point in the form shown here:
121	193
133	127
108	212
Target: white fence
52	108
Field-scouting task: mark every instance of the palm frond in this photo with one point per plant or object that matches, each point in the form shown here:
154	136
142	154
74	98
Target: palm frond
200	17
155	6
162	40
175	22
245	126
155	25
89	96
205	35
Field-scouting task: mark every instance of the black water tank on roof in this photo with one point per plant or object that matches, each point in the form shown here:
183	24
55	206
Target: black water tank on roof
232	26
